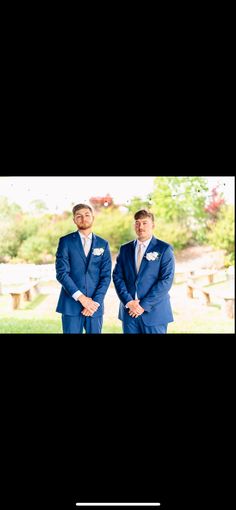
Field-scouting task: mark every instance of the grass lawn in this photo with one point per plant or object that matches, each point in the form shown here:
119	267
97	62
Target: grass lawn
33	325
29	326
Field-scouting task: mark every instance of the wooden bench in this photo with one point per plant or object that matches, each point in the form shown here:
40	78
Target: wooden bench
191	286
204	292
203	272
227	298
182	276
23	290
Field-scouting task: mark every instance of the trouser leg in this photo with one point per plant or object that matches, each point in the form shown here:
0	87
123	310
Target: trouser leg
93	324
160	329
73	323
131	325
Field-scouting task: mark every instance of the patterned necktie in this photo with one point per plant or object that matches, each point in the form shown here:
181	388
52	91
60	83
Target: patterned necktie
86	245
140	256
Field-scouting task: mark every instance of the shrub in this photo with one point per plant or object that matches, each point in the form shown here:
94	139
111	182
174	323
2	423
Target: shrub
175	233
116	227
221	233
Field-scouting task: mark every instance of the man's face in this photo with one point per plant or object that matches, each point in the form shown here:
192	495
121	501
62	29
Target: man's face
83	219
144	228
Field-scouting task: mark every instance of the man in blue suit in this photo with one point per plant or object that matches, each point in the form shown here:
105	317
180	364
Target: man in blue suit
83	268
143	275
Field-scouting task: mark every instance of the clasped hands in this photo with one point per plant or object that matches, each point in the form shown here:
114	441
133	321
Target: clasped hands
134	308
89	305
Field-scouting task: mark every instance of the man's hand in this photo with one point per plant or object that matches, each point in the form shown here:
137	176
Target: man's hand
88	303
134	308
136	314
134	305
86	313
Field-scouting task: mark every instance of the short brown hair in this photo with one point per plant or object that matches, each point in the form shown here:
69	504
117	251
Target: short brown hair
81	206
144	213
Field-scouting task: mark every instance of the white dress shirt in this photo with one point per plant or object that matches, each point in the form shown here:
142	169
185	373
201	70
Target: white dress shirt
145	246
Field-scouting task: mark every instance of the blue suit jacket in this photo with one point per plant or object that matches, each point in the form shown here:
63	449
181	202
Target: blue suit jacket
152	282
91	275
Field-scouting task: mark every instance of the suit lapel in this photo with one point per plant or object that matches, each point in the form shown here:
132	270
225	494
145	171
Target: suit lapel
79	246
144	262
93	245
132	257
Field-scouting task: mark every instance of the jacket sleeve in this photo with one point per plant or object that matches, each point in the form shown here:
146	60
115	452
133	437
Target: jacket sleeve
119	281
104	278
63	268
164	282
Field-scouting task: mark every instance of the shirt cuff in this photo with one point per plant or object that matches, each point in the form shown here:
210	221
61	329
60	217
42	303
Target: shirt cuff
77	294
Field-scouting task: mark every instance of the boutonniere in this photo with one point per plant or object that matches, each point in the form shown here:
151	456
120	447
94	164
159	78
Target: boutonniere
152	255
98	251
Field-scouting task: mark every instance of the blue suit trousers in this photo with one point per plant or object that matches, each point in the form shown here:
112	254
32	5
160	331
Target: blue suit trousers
137	326
78	323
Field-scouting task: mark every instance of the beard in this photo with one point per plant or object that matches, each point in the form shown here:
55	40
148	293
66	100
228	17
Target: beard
85	226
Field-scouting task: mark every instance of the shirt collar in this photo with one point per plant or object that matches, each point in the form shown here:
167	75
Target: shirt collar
145	243
83	236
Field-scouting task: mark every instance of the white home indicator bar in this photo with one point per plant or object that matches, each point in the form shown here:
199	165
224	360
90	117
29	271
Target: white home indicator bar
118	504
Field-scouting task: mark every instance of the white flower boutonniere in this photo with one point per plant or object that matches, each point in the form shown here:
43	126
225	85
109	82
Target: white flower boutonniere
153	255
98	251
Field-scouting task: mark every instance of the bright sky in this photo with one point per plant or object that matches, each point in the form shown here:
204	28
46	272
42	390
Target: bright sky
59	193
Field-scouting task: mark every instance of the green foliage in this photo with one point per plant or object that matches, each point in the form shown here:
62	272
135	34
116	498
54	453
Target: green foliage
41	248
178	206
116	227
10	216
7	209
34	249
27	238
9	243
180	219
179	198
138	203
221	233
174	232
38	207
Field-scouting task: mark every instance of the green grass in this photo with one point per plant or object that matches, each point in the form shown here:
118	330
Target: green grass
202	326
25	326
35	302
29	326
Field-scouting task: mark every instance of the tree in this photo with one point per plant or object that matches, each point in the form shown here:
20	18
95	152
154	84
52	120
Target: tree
138	203
115	226
10	218
215	203
180	198
179	203
221	233
8	210
38	207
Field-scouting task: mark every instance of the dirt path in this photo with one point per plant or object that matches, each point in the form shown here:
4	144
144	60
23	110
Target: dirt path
199	257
